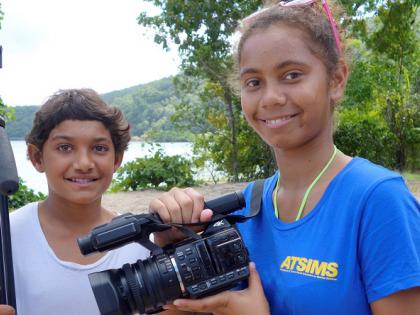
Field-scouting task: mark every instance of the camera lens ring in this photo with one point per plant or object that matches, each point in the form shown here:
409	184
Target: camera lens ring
149	288
133	284
178	275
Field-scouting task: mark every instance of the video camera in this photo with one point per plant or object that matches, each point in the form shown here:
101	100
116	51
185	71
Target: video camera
200	265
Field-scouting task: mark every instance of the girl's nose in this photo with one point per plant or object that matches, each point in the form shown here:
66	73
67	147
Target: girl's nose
84	161
273	95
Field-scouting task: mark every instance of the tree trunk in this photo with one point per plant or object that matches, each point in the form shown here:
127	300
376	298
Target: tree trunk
232	125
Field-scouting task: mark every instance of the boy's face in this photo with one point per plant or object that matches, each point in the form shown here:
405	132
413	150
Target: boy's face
78	159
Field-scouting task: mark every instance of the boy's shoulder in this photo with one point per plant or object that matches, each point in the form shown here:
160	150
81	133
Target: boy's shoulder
24	214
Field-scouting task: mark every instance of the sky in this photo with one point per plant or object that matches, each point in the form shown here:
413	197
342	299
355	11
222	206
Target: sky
57	44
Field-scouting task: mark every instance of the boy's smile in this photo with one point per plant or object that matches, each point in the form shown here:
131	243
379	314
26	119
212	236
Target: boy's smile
79	160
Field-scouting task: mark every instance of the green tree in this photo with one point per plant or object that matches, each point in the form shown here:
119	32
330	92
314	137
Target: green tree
202	30
396	44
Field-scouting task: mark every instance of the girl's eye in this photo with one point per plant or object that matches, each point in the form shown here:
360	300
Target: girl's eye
252	83
64	147
292	75
101	148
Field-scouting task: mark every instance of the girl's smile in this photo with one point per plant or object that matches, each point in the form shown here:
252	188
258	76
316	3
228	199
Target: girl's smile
285	92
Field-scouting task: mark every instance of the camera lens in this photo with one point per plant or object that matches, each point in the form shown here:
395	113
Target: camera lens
143	287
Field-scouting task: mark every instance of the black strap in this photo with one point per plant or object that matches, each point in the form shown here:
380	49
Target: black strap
256	198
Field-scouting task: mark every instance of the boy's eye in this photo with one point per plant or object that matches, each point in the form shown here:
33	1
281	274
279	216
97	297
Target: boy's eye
101	148
64	147
292	75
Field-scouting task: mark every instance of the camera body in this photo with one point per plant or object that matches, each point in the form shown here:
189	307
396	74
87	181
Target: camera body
217	261
200	265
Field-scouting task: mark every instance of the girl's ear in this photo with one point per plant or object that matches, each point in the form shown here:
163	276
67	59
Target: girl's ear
35	155
338	82
118	160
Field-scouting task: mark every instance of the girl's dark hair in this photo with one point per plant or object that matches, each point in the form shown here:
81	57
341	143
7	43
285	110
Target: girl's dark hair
310	19
78	104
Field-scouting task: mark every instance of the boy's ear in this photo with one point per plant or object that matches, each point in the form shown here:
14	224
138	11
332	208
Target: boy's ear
35	155
338	82
118	160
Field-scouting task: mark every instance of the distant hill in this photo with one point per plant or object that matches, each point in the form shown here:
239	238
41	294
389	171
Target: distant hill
148	107
18	129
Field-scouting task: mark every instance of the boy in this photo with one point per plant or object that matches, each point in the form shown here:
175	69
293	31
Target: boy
79	142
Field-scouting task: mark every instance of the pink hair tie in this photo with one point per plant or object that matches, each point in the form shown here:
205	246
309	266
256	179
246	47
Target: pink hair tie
325	6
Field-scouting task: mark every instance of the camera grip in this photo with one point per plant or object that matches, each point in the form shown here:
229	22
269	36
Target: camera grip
9	181
227	203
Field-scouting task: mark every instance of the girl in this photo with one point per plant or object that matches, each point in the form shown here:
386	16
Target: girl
336	234
79	142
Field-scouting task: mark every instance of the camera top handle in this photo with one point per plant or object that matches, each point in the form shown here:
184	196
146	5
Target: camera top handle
9	184
137	228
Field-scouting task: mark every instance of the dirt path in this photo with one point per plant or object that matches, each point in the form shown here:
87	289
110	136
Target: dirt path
138	201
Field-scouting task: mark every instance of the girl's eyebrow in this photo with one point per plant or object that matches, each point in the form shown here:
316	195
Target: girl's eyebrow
286	63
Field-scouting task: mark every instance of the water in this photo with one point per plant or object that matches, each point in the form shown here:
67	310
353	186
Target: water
38	182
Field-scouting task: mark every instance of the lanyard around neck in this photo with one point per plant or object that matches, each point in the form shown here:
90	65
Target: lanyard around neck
305	197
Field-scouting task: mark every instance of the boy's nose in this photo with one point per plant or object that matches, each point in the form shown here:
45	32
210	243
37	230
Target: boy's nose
84	162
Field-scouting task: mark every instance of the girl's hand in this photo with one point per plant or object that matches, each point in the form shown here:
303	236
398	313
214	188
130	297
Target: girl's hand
178	206
7	310
250	301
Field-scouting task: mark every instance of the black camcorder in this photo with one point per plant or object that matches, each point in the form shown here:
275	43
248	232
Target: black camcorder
200	265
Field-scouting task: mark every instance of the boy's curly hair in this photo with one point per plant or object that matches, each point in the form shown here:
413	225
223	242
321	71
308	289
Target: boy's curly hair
78	104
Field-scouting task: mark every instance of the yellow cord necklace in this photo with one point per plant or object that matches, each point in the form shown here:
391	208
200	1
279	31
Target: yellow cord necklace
305	197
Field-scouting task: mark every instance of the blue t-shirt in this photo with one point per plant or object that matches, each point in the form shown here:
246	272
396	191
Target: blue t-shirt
359	244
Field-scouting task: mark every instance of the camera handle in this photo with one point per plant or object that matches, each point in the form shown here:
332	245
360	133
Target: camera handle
222	218
9	184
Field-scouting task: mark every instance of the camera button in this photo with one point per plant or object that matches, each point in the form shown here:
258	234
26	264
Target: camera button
188	251
213	281
203	285
192	260
230	275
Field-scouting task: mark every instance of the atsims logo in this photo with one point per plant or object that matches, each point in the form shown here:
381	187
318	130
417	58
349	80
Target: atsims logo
310	267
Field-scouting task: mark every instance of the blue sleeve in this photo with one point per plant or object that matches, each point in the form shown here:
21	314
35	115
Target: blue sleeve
389	243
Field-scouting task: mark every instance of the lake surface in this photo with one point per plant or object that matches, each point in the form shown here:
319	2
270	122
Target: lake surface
136	149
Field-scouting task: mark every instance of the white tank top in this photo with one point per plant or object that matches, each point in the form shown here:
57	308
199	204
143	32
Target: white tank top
46	285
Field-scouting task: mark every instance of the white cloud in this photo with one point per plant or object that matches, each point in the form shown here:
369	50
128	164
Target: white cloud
55	44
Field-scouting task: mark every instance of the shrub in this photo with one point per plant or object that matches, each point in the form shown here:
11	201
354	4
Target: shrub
158	171
364	135
24	196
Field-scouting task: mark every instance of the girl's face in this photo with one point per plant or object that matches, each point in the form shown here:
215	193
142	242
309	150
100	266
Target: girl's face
287	95
79	160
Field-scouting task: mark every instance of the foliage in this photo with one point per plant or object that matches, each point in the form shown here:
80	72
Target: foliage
385	81
7	112
158	171
202	31
149	109
24	196
22	123
365	134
